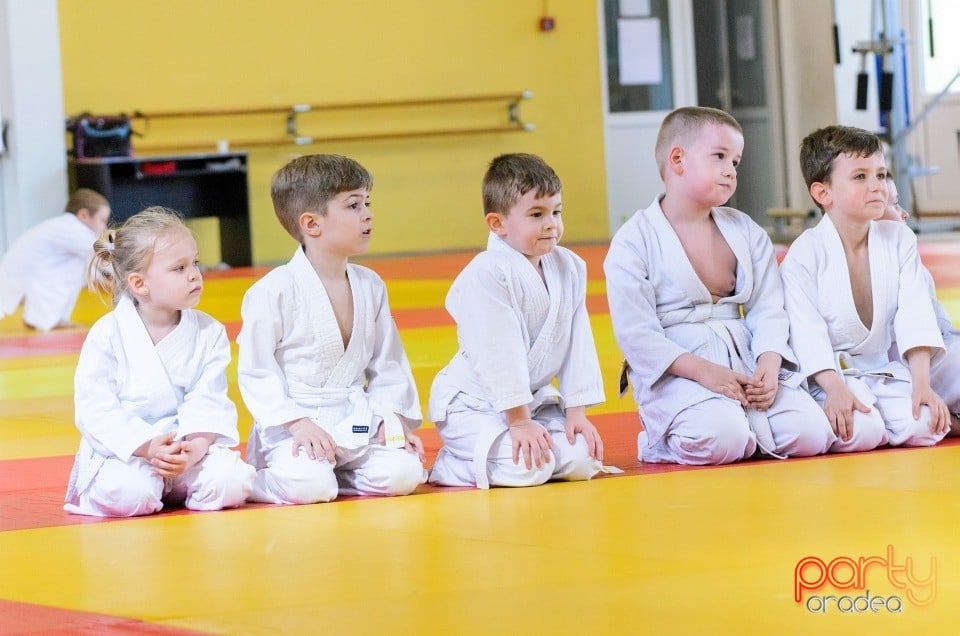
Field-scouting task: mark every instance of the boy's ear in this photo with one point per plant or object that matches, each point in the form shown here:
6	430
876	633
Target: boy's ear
84	214
675	160
310	223
137	285
821	194
495	223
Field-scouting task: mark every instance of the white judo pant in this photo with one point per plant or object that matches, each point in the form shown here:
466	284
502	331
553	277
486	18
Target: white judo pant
478	450
368	470
716	431
131	488
890	420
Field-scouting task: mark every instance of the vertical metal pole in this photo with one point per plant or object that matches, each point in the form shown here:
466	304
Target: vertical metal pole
899	160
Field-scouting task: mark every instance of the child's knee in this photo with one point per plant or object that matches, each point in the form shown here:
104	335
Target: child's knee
869	432
574	461
807	435
730	444
907	431
813	440
303	480
727	440
504	472
225	481
395	475
125	493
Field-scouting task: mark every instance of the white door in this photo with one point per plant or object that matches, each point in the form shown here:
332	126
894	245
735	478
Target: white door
719	53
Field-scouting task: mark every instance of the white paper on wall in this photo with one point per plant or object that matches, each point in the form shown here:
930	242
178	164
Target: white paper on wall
639	54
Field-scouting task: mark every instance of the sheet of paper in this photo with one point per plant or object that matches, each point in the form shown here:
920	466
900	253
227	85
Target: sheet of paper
640	59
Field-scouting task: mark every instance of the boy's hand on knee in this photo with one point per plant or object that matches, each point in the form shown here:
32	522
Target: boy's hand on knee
840	403
939	413
839	407
765	383
724	381
316	442
577	422
532	441
163	453
414	444
195	448
168	459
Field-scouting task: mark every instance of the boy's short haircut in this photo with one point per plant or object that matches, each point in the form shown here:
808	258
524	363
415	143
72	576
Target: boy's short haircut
819	149
684	124
307	184
511	176
86	199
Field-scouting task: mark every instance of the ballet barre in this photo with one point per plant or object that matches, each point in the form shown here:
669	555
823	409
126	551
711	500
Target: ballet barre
294	135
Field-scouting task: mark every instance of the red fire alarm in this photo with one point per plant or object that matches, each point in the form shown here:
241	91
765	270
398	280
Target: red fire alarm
547	23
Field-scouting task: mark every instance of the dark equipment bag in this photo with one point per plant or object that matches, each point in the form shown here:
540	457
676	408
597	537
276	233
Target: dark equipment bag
101	135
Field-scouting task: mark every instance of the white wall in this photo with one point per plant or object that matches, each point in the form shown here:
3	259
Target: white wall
935	141
809	98
33	177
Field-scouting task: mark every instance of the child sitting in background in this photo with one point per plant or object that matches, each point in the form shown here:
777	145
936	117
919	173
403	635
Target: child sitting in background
45	268
945	369
151	382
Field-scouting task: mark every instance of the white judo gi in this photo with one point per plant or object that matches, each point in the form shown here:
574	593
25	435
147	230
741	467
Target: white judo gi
129	391
827	333
293	365
515	337
661	309
945	370
46	269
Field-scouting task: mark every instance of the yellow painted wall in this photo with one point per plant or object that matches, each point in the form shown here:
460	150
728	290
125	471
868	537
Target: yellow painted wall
122	55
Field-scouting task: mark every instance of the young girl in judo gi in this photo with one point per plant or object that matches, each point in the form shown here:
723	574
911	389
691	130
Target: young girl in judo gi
853	285
45	267
697	309
522	322
945	369
321	366
151	384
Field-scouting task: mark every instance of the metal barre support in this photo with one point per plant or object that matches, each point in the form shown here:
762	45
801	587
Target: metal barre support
302	108
301	141
292	120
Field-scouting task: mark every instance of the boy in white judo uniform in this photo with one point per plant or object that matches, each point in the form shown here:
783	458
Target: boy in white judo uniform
697	309
321	367
522	322
46	267
151	382
853	285
945	369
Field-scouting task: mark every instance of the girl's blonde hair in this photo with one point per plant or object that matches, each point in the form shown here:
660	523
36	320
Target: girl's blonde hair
120	251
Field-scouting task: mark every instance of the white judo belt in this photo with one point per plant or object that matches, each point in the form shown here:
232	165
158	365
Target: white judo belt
758	420
359	425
